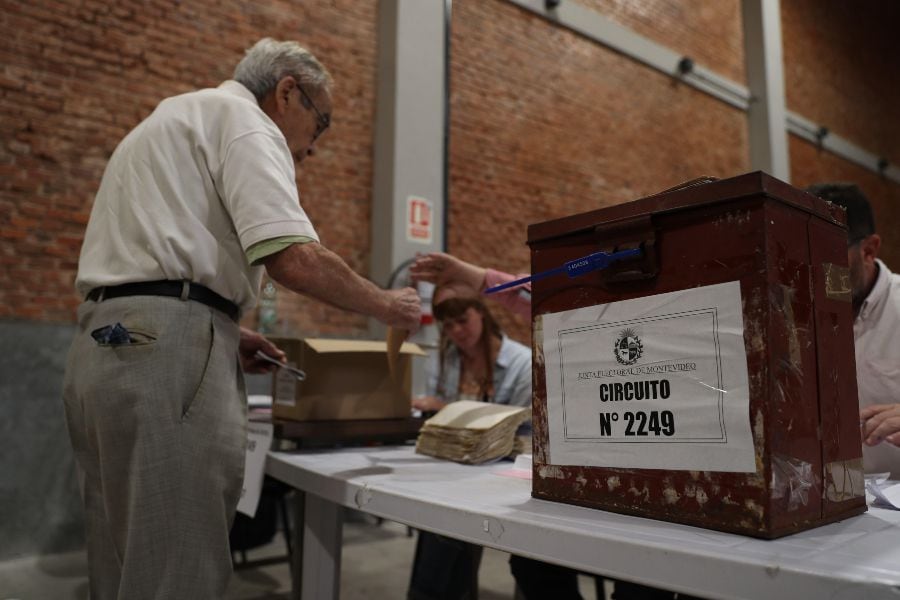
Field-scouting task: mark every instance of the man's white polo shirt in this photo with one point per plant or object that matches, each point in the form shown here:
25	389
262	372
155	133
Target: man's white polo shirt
188	191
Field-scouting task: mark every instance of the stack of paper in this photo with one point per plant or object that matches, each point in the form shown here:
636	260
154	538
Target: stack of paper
471	432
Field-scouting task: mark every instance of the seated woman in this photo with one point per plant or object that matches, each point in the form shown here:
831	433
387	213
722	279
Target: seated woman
475	361
535	580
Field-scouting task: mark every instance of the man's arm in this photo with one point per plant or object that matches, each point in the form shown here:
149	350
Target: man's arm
313	270
512	298
447	270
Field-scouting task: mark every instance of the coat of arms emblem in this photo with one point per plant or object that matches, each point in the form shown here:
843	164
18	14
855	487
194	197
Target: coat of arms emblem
628	347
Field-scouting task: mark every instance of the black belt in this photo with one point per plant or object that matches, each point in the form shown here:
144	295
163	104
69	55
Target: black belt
173	289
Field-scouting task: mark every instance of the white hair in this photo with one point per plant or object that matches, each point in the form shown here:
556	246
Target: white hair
268	61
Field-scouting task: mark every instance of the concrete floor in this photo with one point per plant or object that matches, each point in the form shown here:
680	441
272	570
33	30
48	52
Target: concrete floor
376	564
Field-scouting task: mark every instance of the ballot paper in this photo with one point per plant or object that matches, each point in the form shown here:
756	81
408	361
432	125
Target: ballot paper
259	440
395	339
884	493
472	432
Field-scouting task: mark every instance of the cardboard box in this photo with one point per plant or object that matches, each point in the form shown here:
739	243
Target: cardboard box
711	380
345	380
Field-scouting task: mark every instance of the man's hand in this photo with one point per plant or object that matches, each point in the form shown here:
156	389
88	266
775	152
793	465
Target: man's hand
447	270
404	309
880	422
250	343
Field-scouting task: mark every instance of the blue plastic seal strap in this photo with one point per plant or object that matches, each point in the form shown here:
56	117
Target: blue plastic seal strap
573	268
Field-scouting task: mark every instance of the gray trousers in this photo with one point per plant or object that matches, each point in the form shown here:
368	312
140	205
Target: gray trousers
158	427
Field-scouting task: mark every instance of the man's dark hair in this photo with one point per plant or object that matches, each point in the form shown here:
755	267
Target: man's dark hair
860	222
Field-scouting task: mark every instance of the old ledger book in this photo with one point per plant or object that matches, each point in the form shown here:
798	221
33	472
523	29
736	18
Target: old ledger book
471	432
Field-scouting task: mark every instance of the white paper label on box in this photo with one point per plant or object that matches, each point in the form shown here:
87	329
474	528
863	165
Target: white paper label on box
652	383
285	391
259	440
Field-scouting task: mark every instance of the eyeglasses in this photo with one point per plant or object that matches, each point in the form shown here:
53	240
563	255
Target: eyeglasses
322	120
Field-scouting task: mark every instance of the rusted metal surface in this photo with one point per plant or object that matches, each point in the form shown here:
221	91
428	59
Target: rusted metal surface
787	250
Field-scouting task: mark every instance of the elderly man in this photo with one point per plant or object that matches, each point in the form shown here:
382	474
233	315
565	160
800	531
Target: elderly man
195	202
876	307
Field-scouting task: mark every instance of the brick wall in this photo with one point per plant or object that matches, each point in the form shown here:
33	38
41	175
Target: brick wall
708	32
842	60
544	122
77	76
841	64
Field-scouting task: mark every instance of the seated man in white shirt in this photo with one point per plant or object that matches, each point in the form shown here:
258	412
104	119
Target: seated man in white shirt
876	308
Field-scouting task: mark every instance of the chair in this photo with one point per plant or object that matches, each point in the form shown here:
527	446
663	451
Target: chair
249	533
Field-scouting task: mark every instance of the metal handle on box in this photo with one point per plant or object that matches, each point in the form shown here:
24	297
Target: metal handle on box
637	232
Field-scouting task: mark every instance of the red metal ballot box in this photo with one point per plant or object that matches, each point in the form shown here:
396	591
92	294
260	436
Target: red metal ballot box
708	376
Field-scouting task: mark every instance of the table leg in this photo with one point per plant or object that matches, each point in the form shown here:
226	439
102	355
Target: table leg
322	533
298	508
